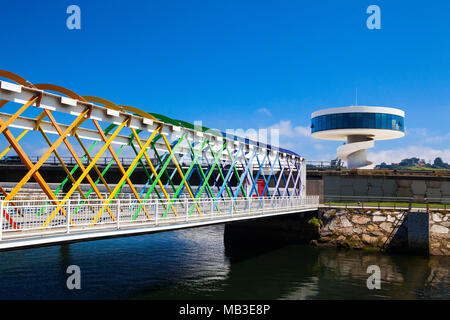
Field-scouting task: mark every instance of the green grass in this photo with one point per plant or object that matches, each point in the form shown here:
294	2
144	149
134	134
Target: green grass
388	204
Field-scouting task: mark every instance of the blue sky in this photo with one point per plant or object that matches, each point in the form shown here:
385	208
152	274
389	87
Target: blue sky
247	64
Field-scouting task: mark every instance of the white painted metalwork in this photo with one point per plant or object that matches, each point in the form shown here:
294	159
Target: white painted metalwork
74	219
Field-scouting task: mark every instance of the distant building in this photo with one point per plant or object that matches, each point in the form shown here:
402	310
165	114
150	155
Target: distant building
359	126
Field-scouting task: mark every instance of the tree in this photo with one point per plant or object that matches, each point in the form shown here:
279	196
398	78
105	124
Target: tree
438	162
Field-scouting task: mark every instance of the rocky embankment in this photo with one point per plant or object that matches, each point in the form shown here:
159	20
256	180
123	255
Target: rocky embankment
440	233
391	230
376	229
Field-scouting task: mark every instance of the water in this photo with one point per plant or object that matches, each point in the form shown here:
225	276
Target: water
193	264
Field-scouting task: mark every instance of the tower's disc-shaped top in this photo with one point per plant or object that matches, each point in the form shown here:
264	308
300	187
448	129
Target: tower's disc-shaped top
378	123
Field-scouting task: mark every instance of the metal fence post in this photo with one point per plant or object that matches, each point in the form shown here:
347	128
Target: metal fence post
118	214
156	212
212	208
1	218
186	208
231	204
68	217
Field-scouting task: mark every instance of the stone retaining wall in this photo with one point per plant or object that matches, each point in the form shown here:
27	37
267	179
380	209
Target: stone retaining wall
391	230
386	186
363	228
440	233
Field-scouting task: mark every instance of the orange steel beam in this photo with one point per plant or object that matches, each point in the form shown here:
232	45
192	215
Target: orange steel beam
169	148
119	165
32	171
9	147
127	173
16	78
77	160
34	168
152	168
86	152
61	161
17	114
20	152
88	168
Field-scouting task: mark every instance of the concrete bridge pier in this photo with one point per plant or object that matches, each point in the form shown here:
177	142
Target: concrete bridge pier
270	232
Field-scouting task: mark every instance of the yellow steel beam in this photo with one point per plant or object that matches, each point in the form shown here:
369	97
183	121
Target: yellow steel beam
17	114
112	105
33	168
86	152
119	165
61	162
88	168
127	173
4	152
152	168
169	148
77	160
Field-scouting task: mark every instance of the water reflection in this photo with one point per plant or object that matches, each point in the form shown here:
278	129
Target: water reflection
193	264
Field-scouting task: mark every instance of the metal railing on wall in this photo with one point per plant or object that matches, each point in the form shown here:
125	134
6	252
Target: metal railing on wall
371	202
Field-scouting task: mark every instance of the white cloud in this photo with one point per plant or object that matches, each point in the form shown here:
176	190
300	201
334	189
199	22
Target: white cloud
318	146
264	111
438	139
286	129
396	155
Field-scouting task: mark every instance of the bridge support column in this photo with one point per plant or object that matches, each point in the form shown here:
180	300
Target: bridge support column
270	232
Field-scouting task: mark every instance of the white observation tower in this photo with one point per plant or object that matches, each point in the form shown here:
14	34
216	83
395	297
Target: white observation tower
359	126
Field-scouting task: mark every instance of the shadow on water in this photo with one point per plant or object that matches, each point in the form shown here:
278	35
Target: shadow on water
194	264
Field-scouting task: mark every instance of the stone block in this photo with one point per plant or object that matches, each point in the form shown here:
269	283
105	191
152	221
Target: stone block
404	183
347	181
331	190
445	188
379	218
389	187
419	187
332	180
332	225
439	229
368	239
433	184
404	192
433	193
360	187
345	223
375	192
360	219
357	230
347	191
386	226
375	182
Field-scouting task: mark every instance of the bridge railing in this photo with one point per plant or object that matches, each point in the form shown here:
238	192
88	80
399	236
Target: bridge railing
22	218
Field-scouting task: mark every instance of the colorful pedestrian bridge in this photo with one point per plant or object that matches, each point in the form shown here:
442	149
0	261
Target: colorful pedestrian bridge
194	175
